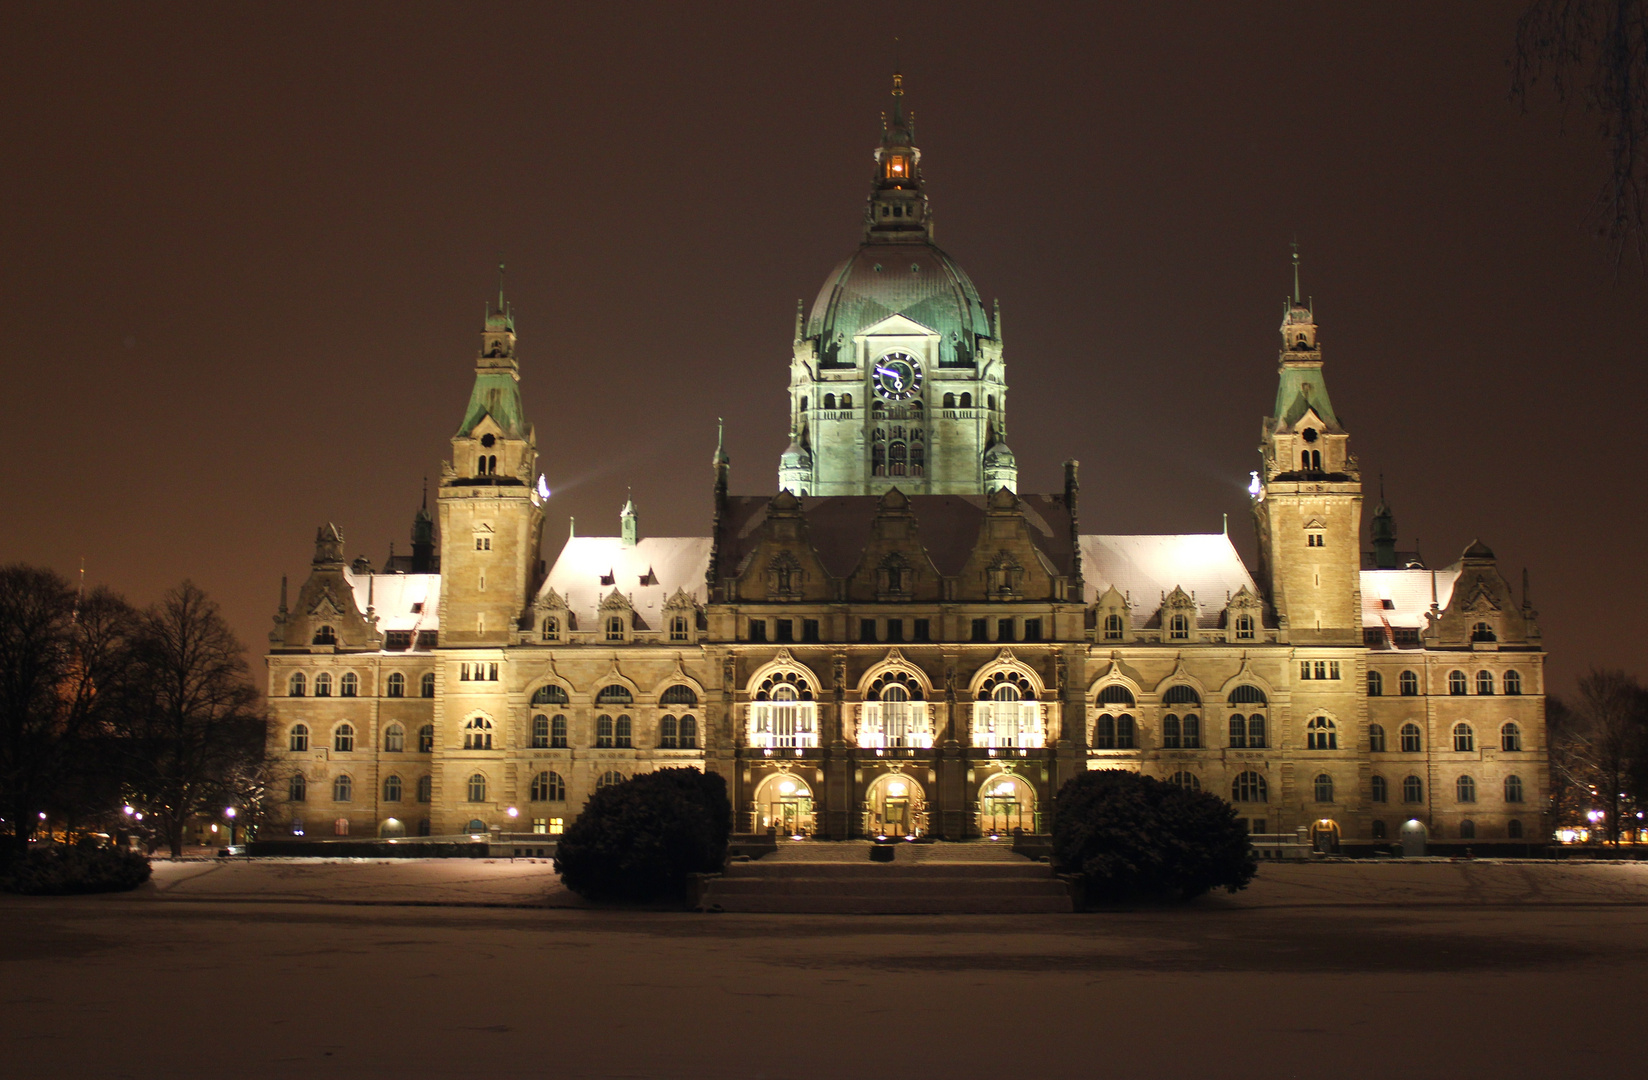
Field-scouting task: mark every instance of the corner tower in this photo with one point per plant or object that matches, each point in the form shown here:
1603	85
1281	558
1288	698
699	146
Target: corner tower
490	505
897	377
1308	506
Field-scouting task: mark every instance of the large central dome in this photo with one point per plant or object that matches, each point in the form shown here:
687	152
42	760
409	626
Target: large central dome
913	279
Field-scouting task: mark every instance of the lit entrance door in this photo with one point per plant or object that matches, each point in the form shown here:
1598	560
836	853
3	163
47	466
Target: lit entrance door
895	807
784	804
1006	803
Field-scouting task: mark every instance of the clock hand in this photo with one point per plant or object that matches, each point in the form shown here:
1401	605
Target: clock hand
898	380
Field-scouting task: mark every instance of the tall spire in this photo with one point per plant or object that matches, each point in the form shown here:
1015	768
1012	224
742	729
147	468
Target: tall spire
898	207
1296	271
628	526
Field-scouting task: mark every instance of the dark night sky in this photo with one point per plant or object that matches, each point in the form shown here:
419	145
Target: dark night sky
244	250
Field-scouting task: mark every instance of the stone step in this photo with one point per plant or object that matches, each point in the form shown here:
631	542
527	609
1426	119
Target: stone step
876	871
888	905
910	885
899	887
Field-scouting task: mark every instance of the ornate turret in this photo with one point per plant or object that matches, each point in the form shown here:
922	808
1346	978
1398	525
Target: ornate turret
423	537
629	527
1383	533
898	207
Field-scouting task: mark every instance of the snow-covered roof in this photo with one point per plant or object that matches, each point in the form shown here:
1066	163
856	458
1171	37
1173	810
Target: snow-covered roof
1146	568
400	601
589	568
1401	597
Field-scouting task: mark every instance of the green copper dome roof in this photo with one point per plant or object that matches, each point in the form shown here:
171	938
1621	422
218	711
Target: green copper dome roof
910	278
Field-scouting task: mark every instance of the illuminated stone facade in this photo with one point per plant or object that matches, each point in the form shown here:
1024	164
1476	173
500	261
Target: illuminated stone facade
879	650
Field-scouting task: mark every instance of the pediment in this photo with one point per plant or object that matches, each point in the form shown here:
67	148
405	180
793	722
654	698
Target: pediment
615	601
897	325
681	599
1178	599
326	605
1315	523
550	600
1112	598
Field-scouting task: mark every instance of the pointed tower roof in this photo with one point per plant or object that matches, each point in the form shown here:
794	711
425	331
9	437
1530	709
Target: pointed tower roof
1302	387
497	389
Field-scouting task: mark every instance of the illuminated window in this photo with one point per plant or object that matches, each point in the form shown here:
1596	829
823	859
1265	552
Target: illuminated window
477	788
1510	737
298	741
394	739
343	738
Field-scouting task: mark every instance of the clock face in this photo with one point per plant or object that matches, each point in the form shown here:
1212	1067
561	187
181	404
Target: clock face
897	376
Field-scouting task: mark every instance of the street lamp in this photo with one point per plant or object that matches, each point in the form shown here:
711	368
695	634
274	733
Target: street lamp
229	812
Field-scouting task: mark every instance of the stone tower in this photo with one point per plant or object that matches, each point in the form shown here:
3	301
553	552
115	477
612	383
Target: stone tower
1308	507
490	506
897	378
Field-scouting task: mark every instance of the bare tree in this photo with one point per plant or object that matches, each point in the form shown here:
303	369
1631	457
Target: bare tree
1595	53
63	660
193	718
1612	713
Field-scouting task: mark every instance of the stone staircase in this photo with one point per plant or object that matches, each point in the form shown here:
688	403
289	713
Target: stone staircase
825	878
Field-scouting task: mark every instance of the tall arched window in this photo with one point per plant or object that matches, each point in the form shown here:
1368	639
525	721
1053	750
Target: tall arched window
1249	787
689	733
426	685
1457	685
1513	683
829	401
846	401
349	685
1238	732
1413	790
297	788
391	788
949	401
1380	790
679	694
395	685
1510	737
1376	738
898	459
1324	788
343	738
966	401
295	685
1467	829
323	684
1513	789
918	460
878	459
426	789
1411	743
609	778
551	629
668	733
426	739
394	739
478	735
1321	734
549	694
615	628
1513	829
1464	739
1376	684
1171	732
343	788
603	732
548	787
298	740
540	732
1409	684
558	732
477	788
1256	737
1484	682
1465	789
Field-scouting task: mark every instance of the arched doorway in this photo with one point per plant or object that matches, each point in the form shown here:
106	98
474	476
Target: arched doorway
392	827
1413	837
895	805
1006	802
784	803
1324	836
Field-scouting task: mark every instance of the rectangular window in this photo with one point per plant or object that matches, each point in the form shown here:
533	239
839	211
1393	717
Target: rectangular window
427	639
758	629
1373	636
923	631
809	629
540	825
785	629
1257	826
1333	669
1314	540
1405	635
463	673
866	630
397	640
895	629
1004	629
492	673
981	630
1321	669
557	826
1032	629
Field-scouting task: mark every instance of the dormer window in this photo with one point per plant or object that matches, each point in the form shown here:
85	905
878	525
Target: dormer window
1179	628
1244	628
615	628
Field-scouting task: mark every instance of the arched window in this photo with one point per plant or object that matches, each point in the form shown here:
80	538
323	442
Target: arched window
1104	733
394	739
1465	789
966	401
477	788
391	788
846	401
1249	787
621	732
829	401
1380	790
1324	787
1413	790
1513	683
340	827
1245	628
949	401
549	695
476	825
478	736
1513	829
1376	829
295	685
548	787
918	459
1410	739
1116	694
1513	789
558	732
297	788
878	460
603	732
343	788
349	685
298	740
1171	732
1510	737
1248	695
990	401
679	628
426	789
1256	731
1456	683
898	459
552	628
1409	684
325	635
1186	780
323	685
1112	628
615	628
679	694
1483	632
608	779
1464	739
1484	682
667	733
1321	734
1467	829
689	733
803	403
343	738
1238	732
1376	684
426	739
1181	695
1376	738
540	732
1179	628
395	685
614	695
426	685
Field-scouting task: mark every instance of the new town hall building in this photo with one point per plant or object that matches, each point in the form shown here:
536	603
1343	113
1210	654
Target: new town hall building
900	641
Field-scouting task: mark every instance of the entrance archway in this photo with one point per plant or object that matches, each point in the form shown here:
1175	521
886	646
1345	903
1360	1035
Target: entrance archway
1006	802
895	805
784	803
1324	836
1413	838
392	827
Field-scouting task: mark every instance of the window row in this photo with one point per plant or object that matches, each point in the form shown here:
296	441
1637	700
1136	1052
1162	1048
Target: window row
1467	830
1458	683
343	788
1413	790
1113	628
1411	741
349	685
343	738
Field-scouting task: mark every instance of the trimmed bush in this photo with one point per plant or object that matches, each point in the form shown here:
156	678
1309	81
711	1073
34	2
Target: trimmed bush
85	868
641	839
1134	837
